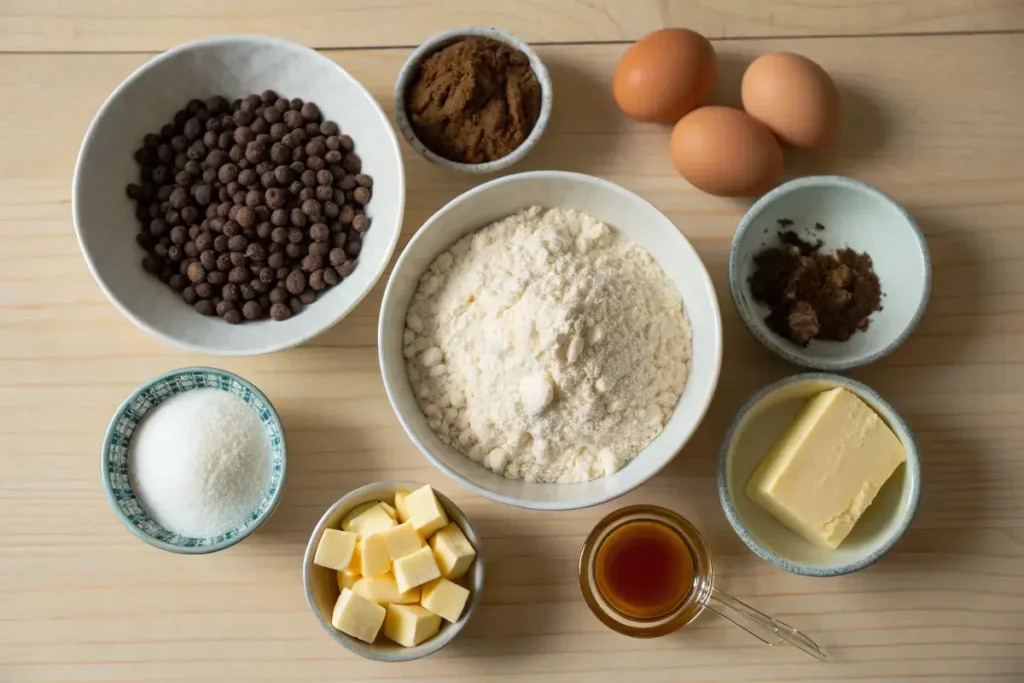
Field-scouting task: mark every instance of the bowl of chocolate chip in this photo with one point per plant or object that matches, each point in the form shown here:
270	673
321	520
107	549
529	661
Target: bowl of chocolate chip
829	273
238	195
474	99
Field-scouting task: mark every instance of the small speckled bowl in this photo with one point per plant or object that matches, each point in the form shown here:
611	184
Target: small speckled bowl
117	443
756	427
441	40
321	584
854	215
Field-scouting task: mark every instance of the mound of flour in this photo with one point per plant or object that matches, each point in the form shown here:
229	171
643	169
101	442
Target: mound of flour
547	347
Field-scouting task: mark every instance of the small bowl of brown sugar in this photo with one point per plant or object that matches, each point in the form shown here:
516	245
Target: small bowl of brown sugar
474	99
829	273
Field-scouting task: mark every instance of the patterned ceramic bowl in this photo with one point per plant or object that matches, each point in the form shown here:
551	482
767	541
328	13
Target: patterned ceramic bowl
117	443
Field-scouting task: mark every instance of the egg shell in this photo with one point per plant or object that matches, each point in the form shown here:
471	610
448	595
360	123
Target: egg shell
794	97
665	75
724	151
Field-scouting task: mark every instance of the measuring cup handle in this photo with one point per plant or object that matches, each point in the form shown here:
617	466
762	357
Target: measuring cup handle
760	625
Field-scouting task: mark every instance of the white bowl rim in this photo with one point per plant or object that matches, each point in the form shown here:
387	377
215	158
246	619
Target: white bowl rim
487	493
137	74
366	650
913	469
435	43
773	344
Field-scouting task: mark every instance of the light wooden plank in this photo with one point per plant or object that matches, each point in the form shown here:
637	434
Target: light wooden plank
933	120
129	25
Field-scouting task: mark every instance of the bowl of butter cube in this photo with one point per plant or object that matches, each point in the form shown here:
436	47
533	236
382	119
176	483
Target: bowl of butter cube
393	571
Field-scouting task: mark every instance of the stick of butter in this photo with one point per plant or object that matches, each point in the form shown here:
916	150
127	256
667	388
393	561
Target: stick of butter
823	472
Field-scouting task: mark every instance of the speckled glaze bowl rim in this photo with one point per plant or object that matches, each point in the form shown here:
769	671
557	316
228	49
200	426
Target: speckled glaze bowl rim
105	462
432	45
433	644
912	467
775	345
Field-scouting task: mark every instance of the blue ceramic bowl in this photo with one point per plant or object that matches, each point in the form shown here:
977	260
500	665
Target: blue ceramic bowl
756	427
117	442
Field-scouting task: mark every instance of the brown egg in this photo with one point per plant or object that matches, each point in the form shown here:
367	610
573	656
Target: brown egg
665	75
794	97
723	151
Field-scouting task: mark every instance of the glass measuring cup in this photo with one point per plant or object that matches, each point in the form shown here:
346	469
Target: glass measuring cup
702	593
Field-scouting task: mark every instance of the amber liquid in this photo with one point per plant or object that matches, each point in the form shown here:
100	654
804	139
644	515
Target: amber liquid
644	570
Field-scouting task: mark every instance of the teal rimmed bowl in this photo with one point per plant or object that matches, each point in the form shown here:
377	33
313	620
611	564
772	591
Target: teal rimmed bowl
117	442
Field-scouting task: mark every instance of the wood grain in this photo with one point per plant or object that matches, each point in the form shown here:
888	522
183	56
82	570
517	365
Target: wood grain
129	25
934	120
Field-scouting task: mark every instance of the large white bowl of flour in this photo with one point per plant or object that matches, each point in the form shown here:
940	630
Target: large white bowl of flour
630	217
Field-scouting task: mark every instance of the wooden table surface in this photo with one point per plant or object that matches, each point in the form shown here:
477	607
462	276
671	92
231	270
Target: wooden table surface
933	92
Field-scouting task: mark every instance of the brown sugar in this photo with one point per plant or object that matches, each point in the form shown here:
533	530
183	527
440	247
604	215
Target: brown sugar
474	101
813	295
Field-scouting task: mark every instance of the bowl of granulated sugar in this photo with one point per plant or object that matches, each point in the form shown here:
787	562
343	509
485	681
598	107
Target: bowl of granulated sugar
194	460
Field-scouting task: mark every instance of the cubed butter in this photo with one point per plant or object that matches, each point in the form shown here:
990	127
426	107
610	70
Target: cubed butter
425	511
392	512
346	523
373	518
373	551
356	616
402	540
410	625
444	598
823	472
415	569
334	550
453	551
403	513
383	590
347	580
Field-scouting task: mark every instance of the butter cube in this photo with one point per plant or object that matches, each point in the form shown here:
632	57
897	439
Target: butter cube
373	551
392	512
410	625
346	523
402	540
403	513
425	512
334	550
347	580
453	551
356	616
383	590
373	518
444	598
823	472
415	569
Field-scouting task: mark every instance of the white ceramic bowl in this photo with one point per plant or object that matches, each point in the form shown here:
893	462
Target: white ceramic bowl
411	66
233	66
854	215
756	427
321	584
634	218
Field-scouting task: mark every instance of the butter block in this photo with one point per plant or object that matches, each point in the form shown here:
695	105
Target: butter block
823	472
392	512
347	580
373	518
383	590
403	513
444	598
425	512
410	625
373	551
346	523
356	616
453	551
334	550
402	540
415	569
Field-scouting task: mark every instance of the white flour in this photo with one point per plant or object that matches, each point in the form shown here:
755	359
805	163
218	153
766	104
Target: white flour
547	347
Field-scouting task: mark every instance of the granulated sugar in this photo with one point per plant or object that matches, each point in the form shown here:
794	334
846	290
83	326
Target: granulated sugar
547	347
200	462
